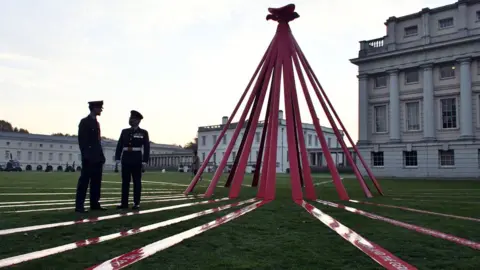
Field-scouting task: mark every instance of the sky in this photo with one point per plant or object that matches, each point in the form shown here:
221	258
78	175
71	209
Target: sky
182	64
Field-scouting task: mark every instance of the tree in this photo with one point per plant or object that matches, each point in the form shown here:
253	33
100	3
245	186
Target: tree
193	145
6	126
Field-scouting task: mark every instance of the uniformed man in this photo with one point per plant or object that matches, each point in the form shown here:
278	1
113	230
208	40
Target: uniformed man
93	158
133	161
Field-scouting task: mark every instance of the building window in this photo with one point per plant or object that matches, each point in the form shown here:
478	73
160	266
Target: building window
19	143
257	137
412	110
61	145
309	139
214	139
377	159
329	142
60	157
446	158
411	31
70	157
7	154
316	140
30	156
203	156
445	23
51	145
478	16
71	147
40	145
225	139
204	140
233	155
411	76
40	156
447	72
19	155
410	159
380	118
79	157
380	81
30	145
215	157
448	107
8	143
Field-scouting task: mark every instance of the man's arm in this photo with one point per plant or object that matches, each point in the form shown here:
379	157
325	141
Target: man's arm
118	150
146	147
83	137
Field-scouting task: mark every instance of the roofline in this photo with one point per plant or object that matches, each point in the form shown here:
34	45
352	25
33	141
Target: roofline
430	11
421	48
65	139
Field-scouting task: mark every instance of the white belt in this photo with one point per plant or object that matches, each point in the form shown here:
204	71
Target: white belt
132	149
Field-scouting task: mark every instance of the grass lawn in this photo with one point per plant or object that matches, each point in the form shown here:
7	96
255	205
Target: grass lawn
278	235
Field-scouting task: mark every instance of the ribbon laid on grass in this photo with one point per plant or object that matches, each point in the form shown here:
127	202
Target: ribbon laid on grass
136	255
73	193
110	204
96	219
87	242
70	202
417	210
374	251
436	234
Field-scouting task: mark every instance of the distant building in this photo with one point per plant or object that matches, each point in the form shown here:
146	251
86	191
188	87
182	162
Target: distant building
419	94
35	149
207	136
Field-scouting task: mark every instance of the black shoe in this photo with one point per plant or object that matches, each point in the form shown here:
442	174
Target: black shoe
83	211
136	207
122	207
98	208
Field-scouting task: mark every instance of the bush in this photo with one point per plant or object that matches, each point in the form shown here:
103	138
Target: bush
79	168
60	168
39	167
28	167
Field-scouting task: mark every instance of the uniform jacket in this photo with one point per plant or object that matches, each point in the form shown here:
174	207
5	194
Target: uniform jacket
133	138
89	141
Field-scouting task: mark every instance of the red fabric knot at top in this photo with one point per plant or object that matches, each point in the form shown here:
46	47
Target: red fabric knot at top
283	14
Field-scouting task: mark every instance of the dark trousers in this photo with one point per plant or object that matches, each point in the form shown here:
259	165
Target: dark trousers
91	174
129	172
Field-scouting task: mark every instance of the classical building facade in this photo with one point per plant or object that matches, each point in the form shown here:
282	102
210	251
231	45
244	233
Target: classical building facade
207	136
419	94
35	149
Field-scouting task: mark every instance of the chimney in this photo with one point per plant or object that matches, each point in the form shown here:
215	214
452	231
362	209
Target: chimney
224	120
280	115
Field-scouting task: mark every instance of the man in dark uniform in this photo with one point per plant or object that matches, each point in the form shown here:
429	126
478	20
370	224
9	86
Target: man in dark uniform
93	159
133	161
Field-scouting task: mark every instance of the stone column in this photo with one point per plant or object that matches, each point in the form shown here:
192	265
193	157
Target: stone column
363	130
394	106
466	115
428	104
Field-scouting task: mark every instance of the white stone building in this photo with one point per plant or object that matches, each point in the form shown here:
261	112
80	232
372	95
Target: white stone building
207	136
35	149
419	94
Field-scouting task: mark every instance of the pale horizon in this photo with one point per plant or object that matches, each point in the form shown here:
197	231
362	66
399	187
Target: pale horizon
182	64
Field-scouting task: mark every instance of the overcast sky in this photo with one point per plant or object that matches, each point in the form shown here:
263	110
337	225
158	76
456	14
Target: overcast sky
182	64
